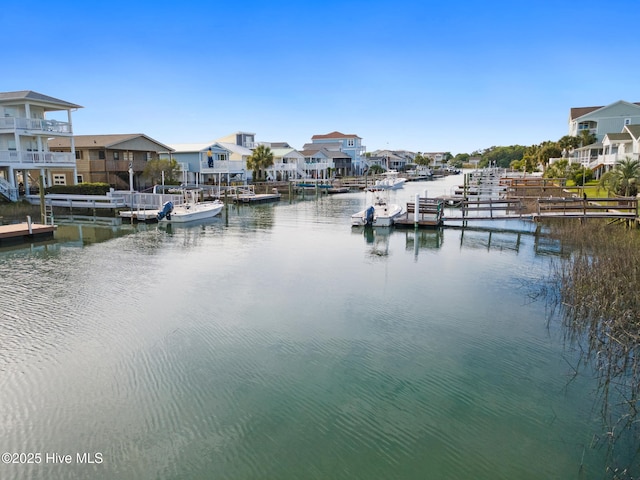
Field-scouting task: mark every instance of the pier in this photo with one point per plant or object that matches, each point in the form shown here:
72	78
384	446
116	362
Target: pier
462	209
24	232
429	214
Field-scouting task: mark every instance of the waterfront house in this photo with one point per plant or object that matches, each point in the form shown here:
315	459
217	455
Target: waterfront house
603	119
614	148
226	163
108	158
340	163
319	162
438	159
634	131
288	163
27	120
389	159
349	144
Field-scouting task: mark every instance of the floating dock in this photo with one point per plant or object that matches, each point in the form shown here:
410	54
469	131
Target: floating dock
24	232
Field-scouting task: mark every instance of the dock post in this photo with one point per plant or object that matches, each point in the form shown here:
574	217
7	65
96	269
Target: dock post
43	209
416	211
29	225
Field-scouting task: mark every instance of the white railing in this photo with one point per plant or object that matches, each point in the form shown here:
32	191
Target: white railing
34	124
145	200
613	158
223	166
8	191
49	158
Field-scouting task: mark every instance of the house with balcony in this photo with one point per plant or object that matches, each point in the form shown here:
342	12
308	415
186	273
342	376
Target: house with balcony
603	119
226	163
349	144
318	162
389	159
337	162
617	147
27	120
108	158
288	163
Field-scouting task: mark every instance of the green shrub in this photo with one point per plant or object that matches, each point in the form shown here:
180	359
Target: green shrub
81	189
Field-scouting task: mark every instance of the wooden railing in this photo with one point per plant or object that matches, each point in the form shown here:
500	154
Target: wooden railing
616	207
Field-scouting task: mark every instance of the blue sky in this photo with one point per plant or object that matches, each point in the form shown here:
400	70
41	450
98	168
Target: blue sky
416	75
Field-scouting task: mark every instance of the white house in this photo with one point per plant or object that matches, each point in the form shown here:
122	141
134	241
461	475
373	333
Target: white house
318	162
617	147
288	164
27	120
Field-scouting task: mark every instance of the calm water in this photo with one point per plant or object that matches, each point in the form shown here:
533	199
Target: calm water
278	343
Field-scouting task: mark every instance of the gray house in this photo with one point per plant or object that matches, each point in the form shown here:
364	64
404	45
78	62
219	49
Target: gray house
602	120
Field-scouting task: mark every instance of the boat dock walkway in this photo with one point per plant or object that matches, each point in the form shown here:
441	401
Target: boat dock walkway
431	210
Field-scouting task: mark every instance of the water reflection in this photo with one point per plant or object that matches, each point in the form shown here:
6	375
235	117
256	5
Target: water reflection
417	240
216	347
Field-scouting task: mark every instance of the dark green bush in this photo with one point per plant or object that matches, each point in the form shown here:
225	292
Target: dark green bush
81	189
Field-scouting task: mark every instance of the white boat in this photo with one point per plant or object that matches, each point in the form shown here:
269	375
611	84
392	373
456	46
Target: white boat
380	213
190	210
391	181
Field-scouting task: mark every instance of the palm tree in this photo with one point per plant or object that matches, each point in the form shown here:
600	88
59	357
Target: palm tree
623	179
586	138
261	158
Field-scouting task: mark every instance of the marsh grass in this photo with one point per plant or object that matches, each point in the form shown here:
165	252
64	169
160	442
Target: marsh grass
597	296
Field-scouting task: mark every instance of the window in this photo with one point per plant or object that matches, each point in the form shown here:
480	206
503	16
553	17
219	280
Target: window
149	157
128	156
59	179
78	154
351	142
222	157
101	155
79	179
116	155
627	121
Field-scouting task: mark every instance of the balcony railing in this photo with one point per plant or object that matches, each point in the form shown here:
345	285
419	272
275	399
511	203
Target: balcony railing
313	166
612	159
223	166
38	158
34	125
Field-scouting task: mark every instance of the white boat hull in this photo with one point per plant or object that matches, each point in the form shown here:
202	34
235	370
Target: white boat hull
193	211
390	185
383	216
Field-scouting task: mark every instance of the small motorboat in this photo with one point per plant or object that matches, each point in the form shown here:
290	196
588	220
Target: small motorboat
190	210
379	214
391	181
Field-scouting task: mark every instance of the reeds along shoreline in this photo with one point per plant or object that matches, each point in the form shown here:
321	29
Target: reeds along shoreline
597	288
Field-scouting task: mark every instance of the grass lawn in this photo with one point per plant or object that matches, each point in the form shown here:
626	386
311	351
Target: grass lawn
591	189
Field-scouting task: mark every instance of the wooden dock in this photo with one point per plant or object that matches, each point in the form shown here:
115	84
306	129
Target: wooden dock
625	208
24	232
430	214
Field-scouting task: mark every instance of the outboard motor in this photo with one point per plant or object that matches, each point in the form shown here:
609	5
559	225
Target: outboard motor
167	208
368	215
